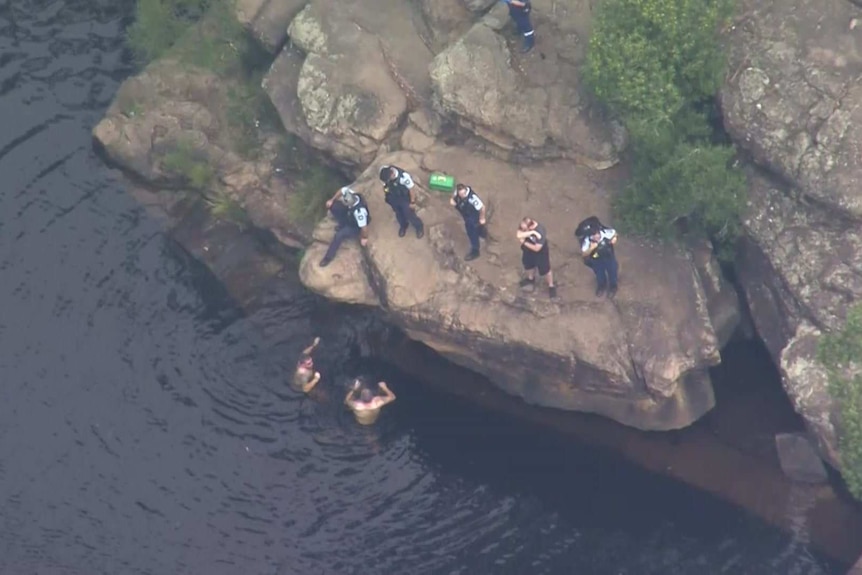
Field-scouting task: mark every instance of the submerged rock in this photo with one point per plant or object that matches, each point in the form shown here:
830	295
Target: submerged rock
640	359
798	458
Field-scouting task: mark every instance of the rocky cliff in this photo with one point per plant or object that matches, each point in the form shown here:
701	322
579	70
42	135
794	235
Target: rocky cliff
436	85
471	107
793	99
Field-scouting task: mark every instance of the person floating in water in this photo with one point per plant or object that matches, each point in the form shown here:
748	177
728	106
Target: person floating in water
305	377
367	406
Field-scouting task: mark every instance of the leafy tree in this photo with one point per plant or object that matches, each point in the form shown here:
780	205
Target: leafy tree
657	65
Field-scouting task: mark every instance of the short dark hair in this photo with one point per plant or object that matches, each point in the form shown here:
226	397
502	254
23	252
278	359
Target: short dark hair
366	395
460	187
385	173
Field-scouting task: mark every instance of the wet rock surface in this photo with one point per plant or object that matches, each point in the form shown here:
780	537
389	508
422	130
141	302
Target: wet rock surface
799	460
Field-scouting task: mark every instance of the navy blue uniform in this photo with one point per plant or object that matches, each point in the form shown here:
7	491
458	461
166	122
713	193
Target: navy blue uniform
521	16
470	208
397	190
349	223
602	261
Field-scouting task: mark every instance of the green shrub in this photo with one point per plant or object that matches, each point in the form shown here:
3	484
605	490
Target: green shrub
694	188
314	186
159	24
249	111
841	354
187	162
225	208
218	43
657	65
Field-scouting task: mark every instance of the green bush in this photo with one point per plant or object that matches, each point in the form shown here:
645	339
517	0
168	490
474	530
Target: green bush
223	207
187	162
314	186
249	110
657	65
218	43
841	354
160	23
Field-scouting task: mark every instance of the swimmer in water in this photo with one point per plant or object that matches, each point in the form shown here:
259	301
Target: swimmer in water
367	406
305	378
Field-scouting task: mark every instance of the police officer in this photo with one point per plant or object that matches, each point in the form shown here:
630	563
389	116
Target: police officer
519	11
351	214
535	254
472	210
597	248
398	187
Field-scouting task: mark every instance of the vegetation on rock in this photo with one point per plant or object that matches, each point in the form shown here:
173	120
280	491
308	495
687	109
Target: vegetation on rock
206	34
316	184
187	162
657	65
841	354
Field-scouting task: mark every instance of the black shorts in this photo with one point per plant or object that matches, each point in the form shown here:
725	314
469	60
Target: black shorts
540	259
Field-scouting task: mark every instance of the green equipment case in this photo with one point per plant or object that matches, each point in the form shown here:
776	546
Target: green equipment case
441	182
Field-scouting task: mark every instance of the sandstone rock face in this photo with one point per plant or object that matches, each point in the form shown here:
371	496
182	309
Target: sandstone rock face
531	104
268	20
355	80
170	105
641	359
793	98
801	267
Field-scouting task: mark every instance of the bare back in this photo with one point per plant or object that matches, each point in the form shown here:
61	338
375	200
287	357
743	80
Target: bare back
368	411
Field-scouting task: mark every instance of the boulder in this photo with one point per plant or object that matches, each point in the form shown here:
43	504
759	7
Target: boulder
530	104
856	569
798	458
267	20
355	77
446	20
641	359
793	95
171	105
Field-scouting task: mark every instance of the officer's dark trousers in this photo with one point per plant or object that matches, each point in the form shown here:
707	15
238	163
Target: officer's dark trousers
474	231
605	270
404	214
525	28
344	230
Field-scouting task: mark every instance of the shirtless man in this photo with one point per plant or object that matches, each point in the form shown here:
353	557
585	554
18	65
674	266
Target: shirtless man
305	378
367	406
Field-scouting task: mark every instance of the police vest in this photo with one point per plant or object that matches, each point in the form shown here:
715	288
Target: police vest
464	206
605	249
394	189
352	212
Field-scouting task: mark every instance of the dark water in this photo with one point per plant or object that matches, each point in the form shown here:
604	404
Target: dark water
145	426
